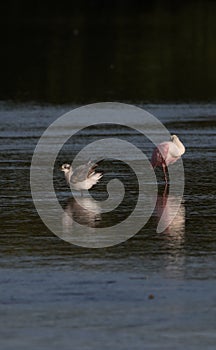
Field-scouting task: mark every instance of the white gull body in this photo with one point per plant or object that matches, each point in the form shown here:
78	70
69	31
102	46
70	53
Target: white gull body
83	177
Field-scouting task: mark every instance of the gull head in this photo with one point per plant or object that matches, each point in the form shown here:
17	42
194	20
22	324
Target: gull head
66	168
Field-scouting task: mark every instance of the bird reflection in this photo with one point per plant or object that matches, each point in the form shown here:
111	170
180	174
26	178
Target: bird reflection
86	212
166	207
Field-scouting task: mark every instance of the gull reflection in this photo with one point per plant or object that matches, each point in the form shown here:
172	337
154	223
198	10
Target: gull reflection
166	207
85	212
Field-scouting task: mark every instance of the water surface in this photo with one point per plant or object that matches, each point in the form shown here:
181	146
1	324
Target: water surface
57	294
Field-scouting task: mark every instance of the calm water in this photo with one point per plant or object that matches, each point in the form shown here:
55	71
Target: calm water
56	294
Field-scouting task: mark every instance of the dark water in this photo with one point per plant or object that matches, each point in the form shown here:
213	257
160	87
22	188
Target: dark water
56	294
108	50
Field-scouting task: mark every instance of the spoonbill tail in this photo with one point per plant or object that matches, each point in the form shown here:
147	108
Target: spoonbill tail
167	153
83	177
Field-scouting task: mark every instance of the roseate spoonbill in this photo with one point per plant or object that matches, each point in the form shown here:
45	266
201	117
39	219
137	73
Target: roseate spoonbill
167	153
83	177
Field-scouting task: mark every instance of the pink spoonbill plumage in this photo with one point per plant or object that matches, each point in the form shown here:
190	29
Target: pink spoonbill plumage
166	153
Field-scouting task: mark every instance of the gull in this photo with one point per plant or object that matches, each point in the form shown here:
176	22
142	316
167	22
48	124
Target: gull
83	177
167	153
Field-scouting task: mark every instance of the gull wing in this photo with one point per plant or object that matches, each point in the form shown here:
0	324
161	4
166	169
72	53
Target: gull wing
82	172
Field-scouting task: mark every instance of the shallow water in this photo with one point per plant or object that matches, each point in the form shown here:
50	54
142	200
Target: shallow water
57	294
